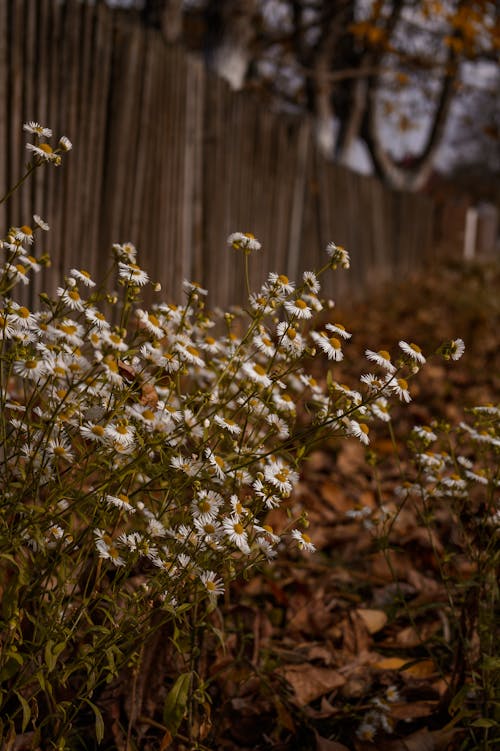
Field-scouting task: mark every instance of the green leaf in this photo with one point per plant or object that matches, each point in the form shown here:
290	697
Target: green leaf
176	701
99	722
483	722
26	710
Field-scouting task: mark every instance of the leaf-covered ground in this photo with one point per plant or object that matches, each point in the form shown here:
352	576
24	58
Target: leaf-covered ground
319	649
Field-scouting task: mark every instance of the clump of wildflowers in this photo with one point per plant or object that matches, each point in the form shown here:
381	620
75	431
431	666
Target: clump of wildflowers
142	449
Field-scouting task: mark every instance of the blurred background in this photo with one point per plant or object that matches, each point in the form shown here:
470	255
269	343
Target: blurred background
372	124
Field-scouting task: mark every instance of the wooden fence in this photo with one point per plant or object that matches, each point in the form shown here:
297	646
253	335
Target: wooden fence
166	156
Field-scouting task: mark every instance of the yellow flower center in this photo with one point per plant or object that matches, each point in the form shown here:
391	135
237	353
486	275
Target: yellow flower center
334	342
300	304
402	383
282	279
383	353
30	364
97	430
259	370
238	528
26	230
46	148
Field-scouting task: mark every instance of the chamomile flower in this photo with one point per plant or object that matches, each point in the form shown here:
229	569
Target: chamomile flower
311	282
82	276
331	346
400	387
298	308
338	256
212	583
425	433
133	274
227	424
188	352
279	283
456	349
264	344
120	501
70	296
257	374
106	548
60	448
23	234
45	152
17	272
282	477
284	402
65	144
380	409
193	287
96	318
121	432
30	368
92	431
126	252
359	431
381	358
413	351
303	540
150	323
244	241
290	339
338	329
37	129
235	531
40	222
216	462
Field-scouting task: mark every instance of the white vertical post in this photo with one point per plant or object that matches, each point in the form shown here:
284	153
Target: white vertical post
470	236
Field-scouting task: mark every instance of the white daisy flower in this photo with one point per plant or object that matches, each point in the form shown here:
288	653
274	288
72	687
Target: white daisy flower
311	281
188	352
303	540
381	358
65	144
243	241
213	584
298	308
96	318
93	432
227	424
30	368
359	431
338	256
282	477
279	283
257	374
120	501
337	328
457	348
235	530
40	222
331	346
82	276
106	548
45	152
413	351
71	298
37	129
150	322
133	274
190	287
400	387
290	339
125	252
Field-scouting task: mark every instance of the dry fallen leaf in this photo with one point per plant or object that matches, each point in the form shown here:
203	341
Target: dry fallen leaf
310	682
374	620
